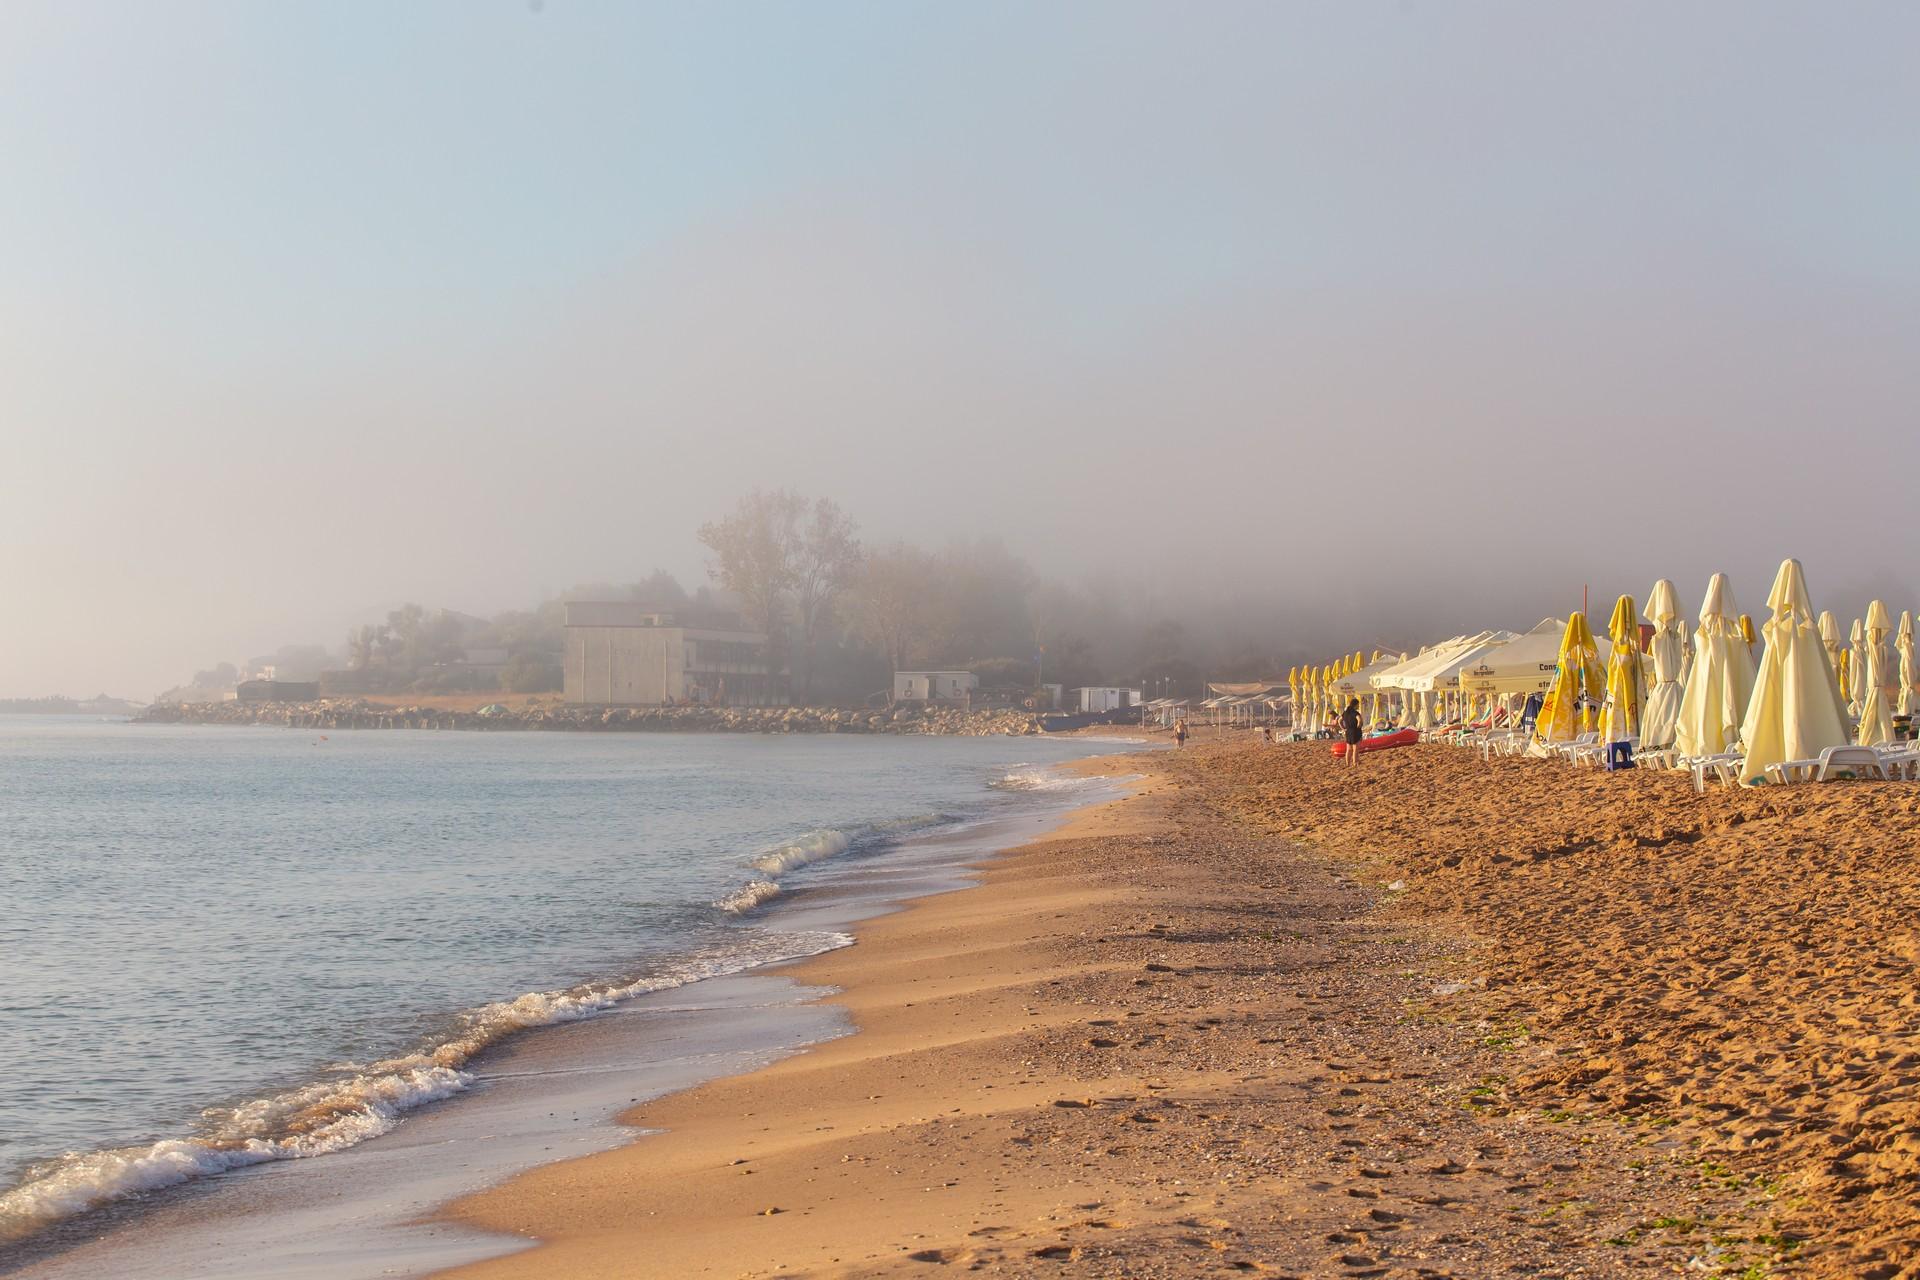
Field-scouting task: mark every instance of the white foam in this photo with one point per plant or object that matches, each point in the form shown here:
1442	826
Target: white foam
1046	780
353	1103
799	852
748	896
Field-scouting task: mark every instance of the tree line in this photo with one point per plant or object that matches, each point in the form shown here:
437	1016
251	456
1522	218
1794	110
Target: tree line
841	616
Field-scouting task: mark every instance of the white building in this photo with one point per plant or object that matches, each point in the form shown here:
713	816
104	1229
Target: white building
934	686
1101	698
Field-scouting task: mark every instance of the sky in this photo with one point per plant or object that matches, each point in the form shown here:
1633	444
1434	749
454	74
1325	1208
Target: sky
1385	321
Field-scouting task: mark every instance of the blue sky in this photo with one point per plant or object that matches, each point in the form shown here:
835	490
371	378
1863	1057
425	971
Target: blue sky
310	309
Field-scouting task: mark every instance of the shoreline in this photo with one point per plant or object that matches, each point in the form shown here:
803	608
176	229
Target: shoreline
1243	1021
294	1212
345	714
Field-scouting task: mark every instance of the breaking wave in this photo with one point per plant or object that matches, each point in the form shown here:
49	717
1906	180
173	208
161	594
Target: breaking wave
351	1102
1025	779
811	847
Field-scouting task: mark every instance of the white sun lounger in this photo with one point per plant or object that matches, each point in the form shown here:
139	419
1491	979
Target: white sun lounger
1834	762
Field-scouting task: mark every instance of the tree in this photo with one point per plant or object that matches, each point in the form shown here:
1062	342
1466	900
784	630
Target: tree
894	596
825	557
753	552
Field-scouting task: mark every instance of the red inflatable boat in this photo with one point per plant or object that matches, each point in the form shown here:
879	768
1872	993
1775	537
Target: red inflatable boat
1385	742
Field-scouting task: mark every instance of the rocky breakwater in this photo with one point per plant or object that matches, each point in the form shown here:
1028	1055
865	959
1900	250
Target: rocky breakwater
355	713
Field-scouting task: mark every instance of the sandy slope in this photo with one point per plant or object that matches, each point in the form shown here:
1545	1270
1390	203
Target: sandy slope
1604	1029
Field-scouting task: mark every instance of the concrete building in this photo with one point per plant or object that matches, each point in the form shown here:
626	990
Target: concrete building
1098	699
621	655
934	686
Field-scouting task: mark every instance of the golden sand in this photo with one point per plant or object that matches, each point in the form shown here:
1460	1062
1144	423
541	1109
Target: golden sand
1428	1018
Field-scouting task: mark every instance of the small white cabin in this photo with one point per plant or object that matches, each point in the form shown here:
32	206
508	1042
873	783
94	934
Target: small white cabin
934	686
1101	698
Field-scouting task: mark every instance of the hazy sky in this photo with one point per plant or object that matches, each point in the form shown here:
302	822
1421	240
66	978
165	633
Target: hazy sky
1416	314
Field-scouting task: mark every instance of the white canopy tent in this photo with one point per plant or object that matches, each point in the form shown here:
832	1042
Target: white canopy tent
1524	664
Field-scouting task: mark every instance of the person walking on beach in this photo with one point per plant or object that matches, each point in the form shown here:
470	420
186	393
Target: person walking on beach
1180	732
1350	725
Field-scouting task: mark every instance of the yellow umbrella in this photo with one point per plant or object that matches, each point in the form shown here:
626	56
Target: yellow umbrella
1903	645
1626	678
1746	632
1719	682
1293	698
1577	675
1669	649
1796	711
1876	679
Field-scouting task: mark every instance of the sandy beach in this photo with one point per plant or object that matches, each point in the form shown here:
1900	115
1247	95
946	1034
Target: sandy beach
1440	1018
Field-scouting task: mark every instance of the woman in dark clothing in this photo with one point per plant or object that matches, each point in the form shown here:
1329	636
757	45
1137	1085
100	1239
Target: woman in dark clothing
1350	724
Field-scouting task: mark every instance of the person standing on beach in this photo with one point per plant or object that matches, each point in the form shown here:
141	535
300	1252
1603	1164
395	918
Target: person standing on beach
1180	732
1350	724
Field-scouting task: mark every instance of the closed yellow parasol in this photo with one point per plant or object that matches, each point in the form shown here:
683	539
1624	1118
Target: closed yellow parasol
1578	681
1626	678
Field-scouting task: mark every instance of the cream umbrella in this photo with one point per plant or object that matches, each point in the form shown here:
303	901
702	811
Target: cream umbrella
1626	678
1903	645
1578	675
1669	649
1853	670
1874	658
1719	682
1830	640
1796	711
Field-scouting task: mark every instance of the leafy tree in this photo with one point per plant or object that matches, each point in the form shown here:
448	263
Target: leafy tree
894	596
824	559
753	551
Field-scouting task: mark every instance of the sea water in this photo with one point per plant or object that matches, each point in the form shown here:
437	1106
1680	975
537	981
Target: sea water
224	946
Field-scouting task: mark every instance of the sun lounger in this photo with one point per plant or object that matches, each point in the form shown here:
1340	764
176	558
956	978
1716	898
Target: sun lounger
1834	762
1903	762
1851	762
1724	766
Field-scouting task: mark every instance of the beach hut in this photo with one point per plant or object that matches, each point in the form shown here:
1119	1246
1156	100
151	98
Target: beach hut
1669	652
1903	645
1877	674
1720	681
1796	711
1579	681
1626	678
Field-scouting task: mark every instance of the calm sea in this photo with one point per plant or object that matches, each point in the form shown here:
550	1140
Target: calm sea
224	946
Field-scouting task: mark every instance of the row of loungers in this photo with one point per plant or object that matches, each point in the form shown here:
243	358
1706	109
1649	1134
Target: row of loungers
1893	760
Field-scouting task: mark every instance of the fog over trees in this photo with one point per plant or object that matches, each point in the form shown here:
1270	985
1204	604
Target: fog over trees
842	616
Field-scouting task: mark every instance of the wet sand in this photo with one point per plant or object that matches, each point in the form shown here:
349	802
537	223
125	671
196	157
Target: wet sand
1441	1018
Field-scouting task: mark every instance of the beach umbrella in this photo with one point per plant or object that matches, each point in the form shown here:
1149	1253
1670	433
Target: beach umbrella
1796	711
1626	679
1903	645
1720	681
1874	658
1669	647
1746	631
1830	639
1853	671
1577	676
1293	696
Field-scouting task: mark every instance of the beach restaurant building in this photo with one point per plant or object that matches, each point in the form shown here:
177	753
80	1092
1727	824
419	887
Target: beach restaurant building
621	654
